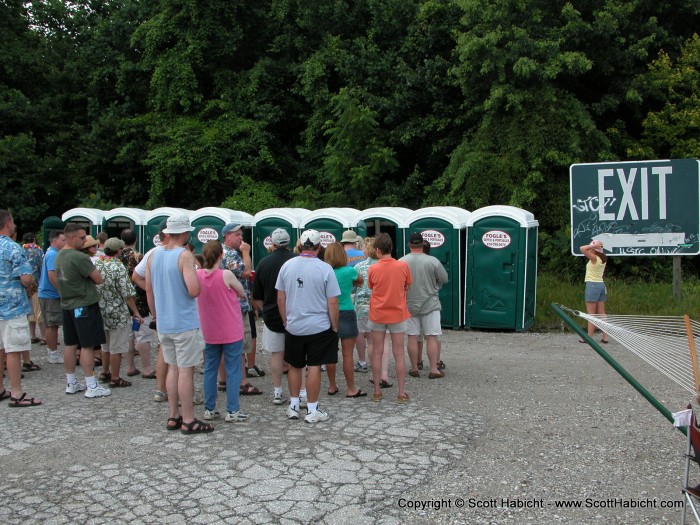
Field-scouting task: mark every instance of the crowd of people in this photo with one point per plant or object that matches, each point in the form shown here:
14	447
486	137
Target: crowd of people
112	301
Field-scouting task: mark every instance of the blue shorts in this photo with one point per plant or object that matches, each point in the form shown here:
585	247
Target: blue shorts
596	292
347	324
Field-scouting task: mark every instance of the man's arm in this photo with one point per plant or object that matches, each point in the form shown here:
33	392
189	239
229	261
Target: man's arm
96	276
149	290
245	255
333	312
138	280
52	278
27	280
282	306
189	274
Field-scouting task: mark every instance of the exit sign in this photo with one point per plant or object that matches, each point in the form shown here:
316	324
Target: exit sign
637	208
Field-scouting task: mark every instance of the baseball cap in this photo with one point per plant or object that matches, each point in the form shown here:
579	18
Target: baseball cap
114	244
310	238
415	239
178	224
279	237
230	227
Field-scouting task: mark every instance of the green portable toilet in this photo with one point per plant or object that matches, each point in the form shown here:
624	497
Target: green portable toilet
119	219
47	226
153	219
88	218
390	220
444	227
267	221
501	272
332	222
208	223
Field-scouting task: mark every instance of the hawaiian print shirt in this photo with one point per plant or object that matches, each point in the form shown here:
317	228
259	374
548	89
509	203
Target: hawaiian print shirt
13	297
233	261
363	292
131	258
115	289
35	258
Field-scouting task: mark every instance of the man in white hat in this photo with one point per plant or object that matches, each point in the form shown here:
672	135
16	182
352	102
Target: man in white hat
307	298
349	241
171	288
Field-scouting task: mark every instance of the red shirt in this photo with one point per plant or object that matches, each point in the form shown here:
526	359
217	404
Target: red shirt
388	279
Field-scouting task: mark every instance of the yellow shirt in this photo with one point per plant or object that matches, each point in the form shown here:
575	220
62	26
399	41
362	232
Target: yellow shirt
594	272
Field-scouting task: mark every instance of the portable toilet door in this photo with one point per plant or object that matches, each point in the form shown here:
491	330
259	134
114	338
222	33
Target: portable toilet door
267	221
332	222
154	218
389	220
444	227
88	218
48	225
117	220
209	221
501	273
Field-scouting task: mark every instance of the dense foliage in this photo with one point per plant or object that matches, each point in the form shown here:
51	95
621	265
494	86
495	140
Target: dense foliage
256	104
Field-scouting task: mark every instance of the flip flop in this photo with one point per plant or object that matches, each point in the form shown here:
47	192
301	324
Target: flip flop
5	395
249	390
385	384
359	393
134	373
334	392
152	375
605	342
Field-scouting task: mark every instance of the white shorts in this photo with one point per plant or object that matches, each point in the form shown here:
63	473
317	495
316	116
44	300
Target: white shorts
363	325
144	334
184	349
272	341
117	340
428	324
393	328
14	335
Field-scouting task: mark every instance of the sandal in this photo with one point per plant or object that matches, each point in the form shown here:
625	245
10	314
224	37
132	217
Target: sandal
414	373
439	375
177	423
104	377
420	365
196	427
5	395
31	366
403	398
333	392
22	401
385	384
249	390
359	393
35	340
42	341
134	373
119	383
152	375
377	397
96	362
222	386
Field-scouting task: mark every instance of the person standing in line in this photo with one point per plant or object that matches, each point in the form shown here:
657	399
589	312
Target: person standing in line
349	241
307	298
77	280
389	280
49	300
222	327
35	258
15	278
172	288
596	291
428	276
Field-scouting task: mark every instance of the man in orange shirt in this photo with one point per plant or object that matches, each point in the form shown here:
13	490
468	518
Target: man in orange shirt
389	280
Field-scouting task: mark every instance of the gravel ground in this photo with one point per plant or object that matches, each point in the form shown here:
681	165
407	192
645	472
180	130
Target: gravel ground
557	424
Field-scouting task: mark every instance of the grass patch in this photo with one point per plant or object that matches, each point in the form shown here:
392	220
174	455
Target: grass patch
624	298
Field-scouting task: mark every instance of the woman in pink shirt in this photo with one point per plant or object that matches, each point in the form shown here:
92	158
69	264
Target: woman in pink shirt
222	328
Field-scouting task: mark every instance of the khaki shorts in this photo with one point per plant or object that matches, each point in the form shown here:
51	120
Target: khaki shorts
35	316
183	349
394	328
51	311
117	340
145	335
428	324
14	335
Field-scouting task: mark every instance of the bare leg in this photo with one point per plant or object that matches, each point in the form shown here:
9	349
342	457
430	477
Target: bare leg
115	363
145	353
276	368
294	378
161	371
347	346
385	359
375	355
69	358
591	309
399	360
330	370
172	388
413	351
313	383
52	337
14	370
185	391
87	362
431	341
361	345
600	310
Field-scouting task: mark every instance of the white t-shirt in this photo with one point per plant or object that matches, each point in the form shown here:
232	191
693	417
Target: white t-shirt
308	283
141	266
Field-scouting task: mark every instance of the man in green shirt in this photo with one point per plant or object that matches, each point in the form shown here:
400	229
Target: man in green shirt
77	278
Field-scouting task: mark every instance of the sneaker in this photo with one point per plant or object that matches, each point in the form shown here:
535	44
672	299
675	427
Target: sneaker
159	396
198	398
55	357
303	402
315	417
362	368
236	417
74	388
98	391
255	371
211	414
278	399
292	413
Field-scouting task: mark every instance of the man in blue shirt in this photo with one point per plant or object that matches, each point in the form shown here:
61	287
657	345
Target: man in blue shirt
15	276
349	241
49	300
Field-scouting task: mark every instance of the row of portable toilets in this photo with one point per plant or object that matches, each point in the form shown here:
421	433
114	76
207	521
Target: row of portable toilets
490	254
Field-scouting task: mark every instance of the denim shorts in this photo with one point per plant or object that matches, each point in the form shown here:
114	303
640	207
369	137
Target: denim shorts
347	324
596	292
